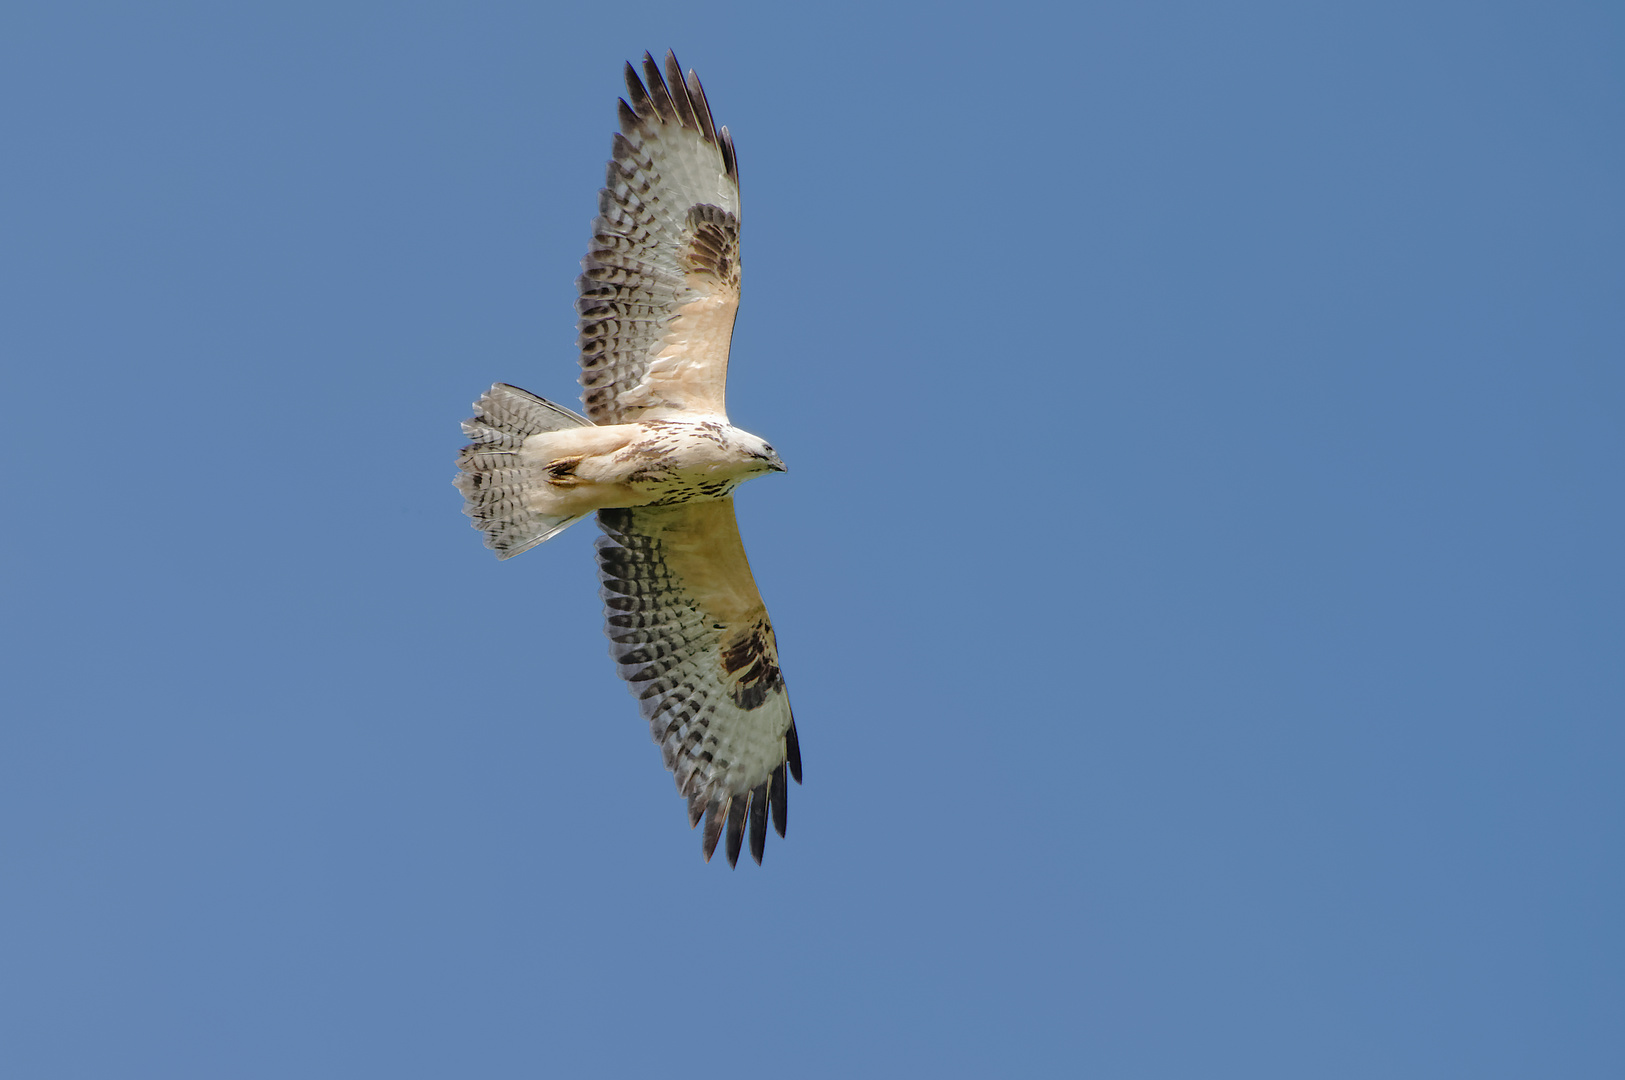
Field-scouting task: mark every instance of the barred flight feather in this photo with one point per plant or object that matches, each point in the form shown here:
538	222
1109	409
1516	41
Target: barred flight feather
680	598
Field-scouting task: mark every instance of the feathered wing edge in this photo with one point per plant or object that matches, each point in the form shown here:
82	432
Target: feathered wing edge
676	99
663	259
689	635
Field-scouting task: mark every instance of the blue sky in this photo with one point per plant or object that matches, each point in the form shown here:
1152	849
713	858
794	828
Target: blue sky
1198	577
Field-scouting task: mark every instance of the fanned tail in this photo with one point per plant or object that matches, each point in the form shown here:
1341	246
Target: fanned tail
493	481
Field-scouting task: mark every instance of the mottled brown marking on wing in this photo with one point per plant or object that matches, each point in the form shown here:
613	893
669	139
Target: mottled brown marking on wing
713	247
752	656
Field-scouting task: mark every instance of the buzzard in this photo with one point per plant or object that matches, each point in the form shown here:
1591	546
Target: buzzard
657	461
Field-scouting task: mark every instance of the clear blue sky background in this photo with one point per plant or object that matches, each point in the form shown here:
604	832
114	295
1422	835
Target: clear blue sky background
1198	577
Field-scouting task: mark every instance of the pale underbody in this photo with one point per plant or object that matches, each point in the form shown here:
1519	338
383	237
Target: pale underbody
650	463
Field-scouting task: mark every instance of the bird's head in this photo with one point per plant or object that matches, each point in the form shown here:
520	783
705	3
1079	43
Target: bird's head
762	457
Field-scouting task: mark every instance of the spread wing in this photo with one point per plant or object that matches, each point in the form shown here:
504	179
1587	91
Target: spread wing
660	286
689	632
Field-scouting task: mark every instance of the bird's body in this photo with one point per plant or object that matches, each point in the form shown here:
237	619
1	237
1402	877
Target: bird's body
651	463
657	460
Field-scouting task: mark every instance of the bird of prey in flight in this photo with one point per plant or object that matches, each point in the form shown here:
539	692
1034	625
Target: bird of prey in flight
657	460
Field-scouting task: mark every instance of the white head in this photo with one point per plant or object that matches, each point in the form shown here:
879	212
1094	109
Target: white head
760	457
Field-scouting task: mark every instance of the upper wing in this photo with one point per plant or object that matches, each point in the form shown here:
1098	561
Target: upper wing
660	286
689	633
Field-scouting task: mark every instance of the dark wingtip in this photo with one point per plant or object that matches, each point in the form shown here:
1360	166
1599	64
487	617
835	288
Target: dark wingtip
675	97
640	105
777	791
628	118
679	93
730	160
658	93
792	751
713	830
758	821
702	107
738	807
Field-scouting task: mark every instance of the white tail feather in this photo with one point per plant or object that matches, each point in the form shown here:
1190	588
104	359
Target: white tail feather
495	483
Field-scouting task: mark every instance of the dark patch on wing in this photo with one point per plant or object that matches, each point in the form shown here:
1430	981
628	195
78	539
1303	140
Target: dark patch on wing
754	657
713	246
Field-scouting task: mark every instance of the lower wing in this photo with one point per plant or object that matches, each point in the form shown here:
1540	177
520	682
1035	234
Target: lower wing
689	632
